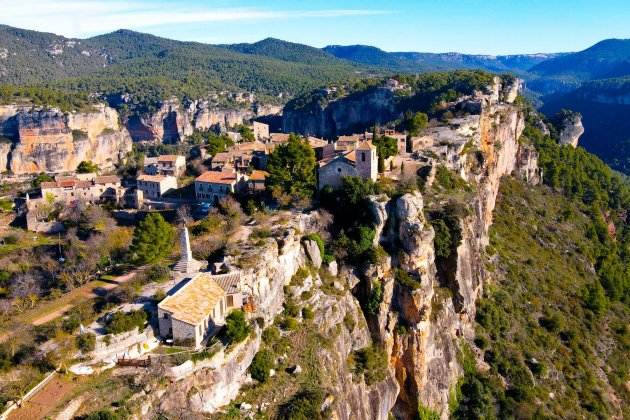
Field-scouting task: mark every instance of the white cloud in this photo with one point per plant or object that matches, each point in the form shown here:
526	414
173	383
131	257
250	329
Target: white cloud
75	18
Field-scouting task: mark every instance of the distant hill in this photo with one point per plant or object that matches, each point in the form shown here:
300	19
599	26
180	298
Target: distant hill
286	51
605	109
606	59
420	62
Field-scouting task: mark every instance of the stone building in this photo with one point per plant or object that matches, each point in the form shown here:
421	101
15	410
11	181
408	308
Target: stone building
155	186
212	186
261	130
197	310
172	165
361	162
95	190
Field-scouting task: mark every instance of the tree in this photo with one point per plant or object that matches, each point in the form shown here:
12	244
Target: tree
246	133
261	365
152	239
86	342
414	123
86	167
41	177
291	168
385	146
236	327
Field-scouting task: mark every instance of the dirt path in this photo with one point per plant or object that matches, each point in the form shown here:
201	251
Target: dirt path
53	310
45	401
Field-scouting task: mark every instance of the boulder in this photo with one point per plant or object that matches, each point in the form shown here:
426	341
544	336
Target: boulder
312	252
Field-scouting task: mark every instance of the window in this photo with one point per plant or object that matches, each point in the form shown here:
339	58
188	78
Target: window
362	156
339	170
230	301
165	316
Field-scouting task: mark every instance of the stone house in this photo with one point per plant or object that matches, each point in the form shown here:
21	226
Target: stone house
256	180
322	148
173	165
212	186
361	162
95	190
155	186
197	310
261	130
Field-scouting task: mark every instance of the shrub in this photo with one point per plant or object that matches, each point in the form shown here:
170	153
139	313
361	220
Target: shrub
371	362
103	415
86	167
404	279
261	365
291	309
236	327
86	342
300	275
121	322
271	335
375	298
152	239
306	404
157	274
307	313
289	323
449	180
425	413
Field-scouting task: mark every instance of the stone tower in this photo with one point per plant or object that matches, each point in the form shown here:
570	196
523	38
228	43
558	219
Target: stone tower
366	160
186	264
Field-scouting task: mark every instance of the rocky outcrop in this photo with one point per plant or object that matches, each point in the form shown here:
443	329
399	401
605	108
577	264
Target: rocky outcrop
571	128
5	150
173	120
344	116
48	140
440	312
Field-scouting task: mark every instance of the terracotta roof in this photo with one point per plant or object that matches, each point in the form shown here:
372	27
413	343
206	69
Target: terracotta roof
222	157
316	142
365	145
217	177
229	282
151	178
195	300
279	137
349	156
107	179
257	175
66	183
253	146
168	158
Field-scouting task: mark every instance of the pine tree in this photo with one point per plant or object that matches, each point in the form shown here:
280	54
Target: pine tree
152	239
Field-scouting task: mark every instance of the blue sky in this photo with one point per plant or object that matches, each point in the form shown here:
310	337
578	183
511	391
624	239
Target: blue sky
469	26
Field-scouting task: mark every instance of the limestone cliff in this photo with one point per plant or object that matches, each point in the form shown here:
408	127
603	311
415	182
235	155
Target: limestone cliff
48	140
344	116
174	120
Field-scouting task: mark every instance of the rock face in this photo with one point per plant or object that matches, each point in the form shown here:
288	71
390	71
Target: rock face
441	312
344	116
52	141
174	120
571	129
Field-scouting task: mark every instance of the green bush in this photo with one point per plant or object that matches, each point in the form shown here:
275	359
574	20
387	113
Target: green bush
375	298
157	274
289	323
291	309
449	180
307	313
300	275
261	365
425	413
270	335
237	328
120	322
371	362
86	342
306	404
404	279
86	166
103	415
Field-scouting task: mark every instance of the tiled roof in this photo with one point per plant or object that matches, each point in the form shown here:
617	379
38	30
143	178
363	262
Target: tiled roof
151	178
279	137
168	158
217	177
229	282
316	142
257	175
366	145
195	300
107	179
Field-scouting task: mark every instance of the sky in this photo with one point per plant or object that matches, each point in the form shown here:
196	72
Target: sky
466	26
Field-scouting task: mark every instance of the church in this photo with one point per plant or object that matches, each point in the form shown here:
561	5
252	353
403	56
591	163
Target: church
361	161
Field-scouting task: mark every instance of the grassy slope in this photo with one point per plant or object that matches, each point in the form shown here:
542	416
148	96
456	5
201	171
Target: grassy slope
536	311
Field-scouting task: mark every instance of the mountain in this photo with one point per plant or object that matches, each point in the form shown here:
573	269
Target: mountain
286	51
419	62
153	68
606	59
